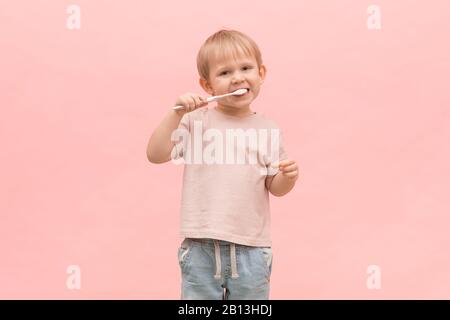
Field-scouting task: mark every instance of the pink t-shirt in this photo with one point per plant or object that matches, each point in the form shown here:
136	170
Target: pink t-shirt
225	190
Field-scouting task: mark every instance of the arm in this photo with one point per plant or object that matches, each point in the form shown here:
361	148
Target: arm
285	179
160	145
281	185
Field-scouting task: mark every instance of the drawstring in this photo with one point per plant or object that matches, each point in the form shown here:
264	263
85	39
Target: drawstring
218	266
234	273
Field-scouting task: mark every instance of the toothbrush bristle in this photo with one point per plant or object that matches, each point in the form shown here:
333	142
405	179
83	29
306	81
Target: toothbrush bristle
241	91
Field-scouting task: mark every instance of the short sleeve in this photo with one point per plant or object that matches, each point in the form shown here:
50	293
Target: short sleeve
275	158
180	137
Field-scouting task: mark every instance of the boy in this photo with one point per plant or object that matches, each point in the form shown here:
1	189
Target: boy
225	215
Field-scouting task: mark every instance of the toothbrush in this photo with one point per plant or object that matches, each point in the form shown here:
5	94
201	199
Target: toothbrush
238	92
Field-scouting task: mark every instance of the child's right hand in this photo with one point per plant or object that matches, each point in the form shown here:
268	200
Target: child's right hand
190	101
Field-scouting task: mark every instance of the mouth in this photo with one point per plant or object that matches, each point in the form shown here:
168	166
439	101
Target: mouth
242	95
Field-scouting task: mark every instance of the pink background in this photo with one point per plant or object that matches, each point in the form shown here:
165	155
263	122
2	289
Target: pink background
365	113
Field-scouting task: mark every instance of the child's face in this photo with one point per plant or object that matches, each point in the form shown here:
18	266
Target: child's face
229	75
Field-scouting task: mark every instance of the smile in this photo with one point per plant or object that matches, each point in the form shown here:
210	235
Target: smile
242	95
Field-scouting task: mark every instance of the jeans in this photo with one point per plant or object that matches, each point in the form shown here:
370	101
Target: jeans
221	270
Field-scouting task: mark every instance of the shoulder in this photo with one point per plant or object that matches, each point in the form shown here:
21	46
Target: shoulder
267	121
197	114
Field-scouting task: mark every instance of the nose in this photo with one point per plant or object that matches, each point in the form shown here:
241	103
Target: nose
237	77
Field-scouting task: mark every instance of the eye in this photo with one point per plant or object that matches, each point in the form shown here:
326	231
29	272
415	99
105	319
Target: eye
223	73
247	67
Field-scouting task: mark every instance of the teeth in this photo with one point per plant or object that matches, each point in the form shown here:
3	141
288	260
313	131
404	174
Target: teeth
242	92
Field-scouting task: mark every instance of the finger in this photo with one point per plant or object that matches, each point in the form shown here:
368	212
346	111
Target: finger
191	103
291	167
291	174
279	165
203	100
198	102
275	165
286	162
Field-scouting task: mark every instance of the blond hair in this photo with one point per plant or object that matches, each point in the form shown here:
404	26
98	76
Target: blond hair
225	44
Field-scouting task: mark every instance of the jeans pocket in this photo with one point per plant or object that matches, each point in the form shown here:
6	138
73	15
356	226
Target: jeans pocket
183	252
267	256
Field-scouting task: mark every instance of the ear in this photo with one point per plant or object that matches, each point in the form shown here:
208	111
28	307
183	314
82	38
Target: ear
262	72
205	85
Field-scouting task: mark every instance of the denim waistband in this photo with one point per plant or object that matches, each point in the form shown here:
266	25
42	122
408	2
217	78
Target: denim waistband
210	242
217	244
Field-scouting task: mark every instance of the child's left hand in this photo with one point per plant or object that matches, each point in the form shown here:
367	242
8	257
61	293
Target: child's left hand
289	169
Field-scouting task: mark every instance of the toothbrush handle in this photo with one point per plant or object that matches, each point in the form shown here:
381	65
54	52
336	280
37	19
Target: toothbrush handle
207	100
